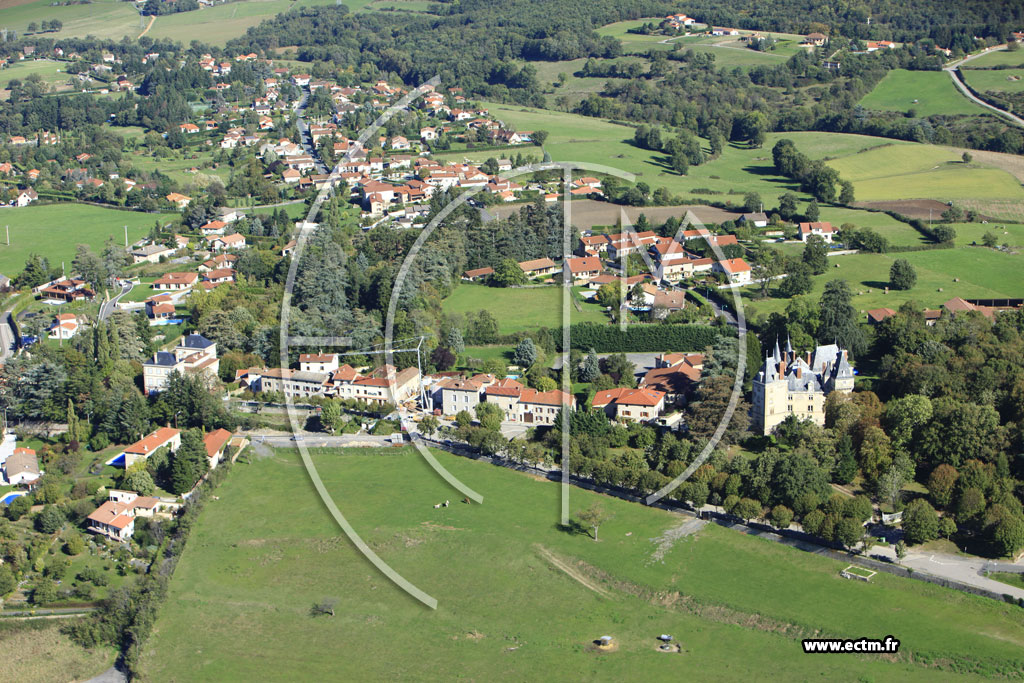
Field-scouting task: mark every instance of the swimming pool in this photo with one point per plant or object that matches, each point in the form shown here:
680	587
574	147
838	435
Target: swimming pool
11	496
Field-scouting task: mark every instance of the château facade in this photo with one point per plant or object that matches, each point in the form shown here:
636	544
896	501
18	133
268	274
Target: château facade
791	384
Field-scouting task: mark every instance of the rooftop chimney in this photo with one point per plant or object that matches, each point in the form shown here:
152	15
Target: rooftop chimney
799	372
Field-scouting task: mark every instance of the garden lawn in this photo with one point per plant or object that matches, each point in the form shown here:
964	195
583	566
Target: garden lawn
933	91
55	230
518	309
46	654
519	598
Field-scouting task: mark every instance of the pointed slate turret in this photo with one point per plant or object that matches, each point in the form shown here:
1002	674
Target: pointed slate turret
777	356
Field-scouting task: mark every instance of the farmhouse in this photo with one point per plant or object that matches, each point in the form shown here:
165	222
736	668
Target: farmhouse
877	315
179	200
25	197
758	219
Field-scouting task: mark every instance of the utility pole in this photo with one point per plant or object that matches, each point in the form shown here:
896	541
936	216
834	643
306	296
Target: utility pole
126	237
8	229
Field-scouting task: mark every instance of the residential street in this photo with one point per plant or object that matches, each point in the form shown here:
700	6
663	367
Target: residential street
108	307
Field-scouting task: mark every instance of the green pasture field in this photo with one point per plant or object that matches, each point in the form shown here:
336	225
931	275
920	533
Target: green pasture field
916	171
55	231
982	273
933	90
218	24
518	597
101	18
51	71
997	58
518	309
1001	80
116	19
879	168
1006	233
178	168
485	353
898	233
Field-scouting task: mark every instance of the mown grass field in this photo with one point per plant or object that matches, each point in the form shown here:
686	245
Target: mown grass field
914	171
1003	80
100	18
880	169
51	71
997	58
116	19
218	24
56	230
983	273
517	597
933	91
518	309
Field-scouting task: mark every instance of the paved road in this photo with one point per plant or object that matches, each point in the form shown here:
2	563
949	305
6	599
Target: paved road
6	335
108	308
959	568
953	69
304	138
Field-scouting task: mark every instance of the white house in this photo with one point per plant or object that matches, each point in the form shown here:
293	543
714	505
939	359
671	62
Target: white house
823	230
22	467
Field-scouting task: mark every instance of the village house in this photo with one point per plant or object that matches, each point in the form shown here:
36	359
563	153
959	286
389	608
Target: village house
194	354
25	197
179	200
823	230
318	362
66	290
674	374
222	242
21	468
175	281
630	405
529	406
150	253
477	274
539	267
115	518
759	219
582	269
65	326
214	227
215	442
141	450
459	394
736	269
